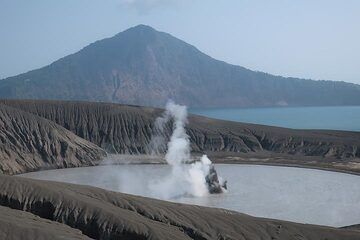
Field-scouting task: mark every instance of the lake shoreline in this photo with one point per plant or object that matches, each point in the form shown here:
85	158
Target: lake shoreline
136	216
144	160
238	158
257	182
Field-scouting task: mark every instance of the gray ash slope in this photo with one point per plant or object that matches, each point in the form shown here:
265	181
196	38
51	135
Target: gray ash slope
128	129
29	142
102	214
20	225
145	67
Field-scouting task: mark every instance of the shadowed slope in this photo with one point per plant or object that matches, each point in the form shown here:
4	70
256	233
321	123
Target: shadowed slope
103	214
29	142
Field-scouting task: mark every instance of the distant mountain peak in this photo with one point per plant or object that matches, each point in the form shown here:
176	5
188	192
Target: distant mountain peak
141	27
144	66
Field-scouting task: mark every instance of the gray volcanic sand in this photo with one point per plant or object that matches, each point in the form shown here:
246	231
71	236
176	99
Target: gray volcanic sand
104	214
293	194
19	225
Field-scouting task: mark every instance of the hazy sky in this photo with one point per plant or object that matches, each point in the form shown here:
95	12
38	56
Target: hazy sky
317	39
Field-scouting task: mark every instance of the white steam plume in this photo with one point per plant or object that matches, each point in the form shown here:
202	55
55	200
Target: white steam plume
185	179
179	144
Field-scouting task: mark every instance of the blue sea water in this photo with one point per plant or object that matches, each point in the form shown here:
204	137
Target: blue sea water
335	118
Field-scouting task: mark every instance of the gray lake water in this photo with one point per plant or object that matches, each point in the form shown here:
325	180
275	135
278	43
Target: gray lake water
294	194
335	118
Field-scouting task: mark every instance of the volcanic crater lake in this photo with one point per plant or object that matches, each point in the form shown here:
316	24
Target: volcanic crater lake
294	194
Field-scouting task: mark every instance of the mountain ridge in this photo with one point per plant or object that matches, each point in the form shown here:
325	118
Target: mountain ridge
29	143
142	66
124	129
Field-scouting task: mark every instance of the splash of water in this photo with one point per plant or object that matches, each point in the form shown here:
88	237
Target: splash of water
185	179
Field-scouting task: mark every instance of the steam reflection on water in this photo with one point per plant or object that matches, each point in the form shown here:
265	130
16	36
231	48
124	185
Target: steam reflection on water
294	194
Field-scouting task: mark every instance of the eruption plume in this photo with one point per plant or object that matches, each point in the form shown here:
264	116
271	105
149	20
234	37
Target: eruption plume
196	179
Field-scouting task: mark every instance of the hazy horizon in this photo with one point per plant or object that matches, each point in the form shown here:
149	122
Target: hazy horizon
306	40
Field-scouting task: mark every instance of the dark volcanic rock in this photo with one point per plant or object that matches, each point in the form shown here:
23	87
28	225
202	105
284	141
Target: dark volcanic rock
146	67
29	142
353	227
213	183
128	129
103	214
